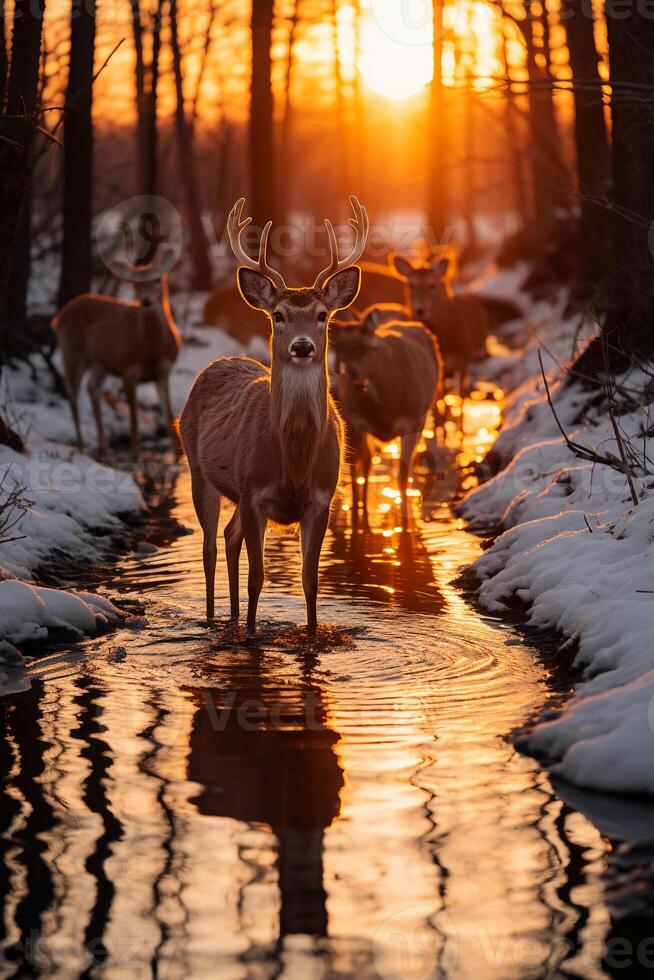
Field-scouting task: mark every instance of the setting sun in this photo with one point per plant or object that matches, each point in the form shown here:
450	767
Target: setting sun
396	56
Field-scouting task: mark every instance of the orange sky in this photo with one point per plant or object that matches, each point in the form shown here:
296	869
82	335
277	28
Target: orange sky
395	59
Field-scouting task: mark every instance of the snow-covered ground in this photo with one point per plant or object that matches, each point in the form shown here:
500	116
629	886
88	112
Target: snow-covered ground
59	504
578	551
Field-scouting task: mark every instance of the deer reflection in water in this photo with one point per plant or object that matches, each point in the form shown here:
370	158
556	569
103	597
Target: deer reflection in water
385	562
265	755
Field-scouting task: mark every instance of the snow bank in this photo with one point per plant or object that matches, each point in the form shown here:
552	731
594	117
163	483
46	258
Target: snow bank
67	504
578	552
29	613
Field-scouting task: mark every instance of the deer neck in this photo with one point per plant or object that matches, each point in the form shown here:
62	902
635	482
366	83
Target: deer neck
299	411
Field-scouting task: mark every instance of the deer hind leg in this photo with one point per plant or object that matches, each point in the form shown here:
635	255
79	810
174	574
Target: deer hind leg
94	386
233	544
74	368
366	464
253	526
312	530
130	392
206	501
163	390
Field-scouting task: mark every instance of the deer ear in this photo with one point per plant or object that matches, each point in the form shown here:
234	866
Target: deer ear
343	288
371	320
256	289
441	267
401	265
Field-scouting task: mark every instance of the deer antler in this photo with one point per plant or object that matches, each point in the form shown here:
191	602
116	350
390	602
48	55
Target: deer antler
361	224
235	228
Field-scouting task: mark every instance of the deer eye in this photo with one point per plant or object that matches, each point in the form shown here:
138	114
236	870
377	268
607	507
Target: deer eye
277	317
322	317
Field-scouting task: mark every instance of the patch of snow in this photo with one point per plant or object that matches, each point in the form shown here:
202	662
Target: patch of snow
71	502
576	550
29	612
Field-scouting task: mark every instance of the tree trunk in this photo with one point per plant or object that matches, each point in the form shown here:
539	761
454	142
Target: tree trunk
592	148
629	306
437	190
511	119
262	156
286	128
16	145
188	170
147	81
548	170
76	269
342	155
4	61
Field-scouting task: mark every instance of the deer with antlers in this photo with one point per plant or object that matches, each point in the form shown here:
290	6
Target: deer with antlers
270	439
135	341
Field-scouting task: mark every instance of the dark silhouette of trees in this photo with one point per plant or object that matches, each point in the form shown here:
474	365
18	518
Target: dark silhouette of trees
147	85
592	147
17	129
197	239
629	305
261	132
76	267
437	189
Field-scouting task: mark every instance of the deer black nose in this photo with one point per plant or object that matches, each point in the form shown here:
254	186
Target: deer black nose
302	347
420	312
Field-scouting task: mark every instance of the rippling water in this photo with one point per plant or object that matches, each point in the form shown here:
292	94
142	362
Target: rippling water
180	801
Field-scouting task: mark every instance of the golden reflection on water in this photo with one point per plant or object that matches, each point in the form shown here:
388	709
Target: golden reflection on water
185	802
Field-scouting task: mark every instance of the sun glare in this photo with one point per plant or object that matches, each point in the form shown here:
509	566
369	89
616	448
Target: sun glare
395	58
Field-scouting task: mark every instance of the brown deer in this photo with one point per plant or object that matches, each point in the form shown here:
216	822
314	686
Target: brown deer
459	321
225	309
269	439
134	341
390	376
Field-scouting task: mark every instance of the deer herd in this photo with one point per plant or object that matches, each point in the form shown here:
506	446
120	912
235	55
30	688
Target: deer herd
272	440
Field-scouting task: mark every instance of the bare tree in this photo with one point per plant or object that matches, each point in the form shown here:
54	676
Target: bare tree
76	267
262	154
286	128
592	146
17	128
199	251
629	306
147	83
437	190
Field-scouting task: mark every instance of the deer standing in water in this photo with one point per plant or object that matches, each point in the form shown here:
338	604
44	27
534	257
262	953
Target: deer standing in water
134	341
270	439
391	374
459	321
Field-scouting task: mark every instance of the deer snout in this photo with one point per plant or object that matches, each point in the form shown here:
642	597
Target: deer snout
302	347
420	311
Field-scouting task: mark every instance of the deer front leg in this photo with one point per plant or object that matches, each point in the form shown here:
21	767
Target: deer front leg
409	443
313	527
233	543
253	525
